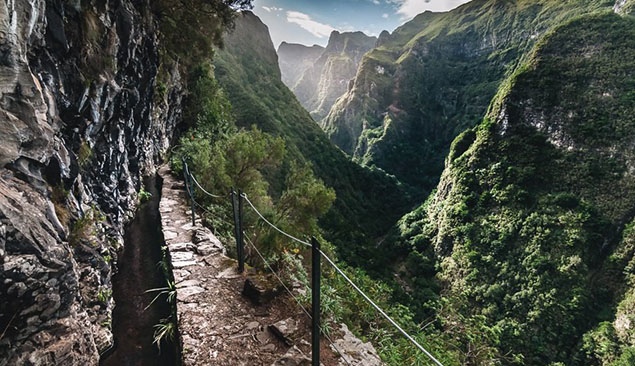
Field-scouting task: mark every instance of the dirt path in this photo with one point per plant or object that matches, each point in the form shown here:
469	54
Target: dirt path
219	325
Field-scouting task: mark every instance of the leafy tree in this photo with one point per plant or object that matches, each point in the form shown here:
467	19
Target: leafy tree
206	105
305	199
190	28
245	154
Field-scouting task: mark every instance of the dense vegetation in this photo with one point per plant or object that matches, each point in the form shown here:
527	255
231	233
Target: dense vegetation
191	28
524	253
368	201
526	229
222	157
434	77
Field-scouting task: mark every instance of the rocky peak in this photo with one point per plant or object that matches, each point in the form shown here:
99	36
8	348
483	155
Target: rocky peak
294	59
251	26
354	44
321	84
383	38
624	7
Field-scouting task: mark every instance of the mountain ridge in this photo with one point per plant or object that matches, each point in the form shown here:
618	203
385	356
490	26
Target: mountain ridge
432	78
362	211
295	59
531	223
328	76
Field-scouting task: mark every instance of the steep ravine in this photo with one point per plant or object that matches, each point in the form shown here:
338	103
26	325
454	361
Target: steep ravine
434	77
531	225
368	201
80	122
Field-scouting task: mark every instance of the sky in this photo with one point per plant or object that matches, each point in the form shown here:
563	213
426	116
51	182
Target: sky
311	22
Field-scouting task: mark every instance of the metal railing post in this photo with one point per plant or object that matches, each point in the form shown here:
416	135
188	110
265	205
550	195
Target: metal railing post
237	210
241	246
315	301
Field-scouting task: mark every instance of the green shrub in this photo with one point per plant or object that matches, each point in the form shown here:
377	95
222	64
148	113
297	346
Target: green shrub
104	295
189	28
84	227
59	197
144	195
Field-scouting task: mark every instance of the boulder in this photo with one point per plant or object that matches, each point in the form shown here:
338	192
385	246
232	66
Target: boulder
293	357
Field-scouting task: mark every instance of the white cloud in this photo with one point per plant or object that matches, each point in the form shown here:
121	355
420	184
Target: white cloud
384	15
318	29
408	9
272	8
370	33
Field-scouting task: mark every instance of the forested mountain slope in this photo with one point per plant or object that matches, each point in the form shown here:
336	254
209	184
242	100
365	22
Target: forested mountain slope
368	202
531	227
434	77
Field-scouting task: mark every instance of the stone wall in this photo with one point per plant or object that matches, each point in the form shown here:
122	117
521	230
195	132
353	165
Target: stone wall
81	120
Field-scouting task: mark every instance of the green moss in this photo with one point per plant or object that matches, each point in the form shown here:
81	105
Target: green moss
84	155
442	70
59	197
83	229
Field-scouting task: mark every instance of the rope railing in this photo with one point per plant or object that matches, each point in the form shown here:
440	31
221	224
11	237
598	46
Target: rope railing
189	177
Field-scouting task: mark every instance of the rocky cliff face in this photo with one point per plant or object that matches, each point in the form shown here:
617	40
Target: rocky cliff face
328	78
435	76
81	120
624	7
295	59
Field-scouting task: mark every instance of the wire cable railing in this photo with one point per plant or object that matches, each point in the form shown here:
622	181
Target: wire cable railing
326	257
272	225
366	297
380	310
304	310
203	189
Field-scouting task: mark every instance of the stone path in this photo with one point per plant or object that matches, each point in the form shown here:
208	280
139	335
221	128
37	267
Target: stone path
217	324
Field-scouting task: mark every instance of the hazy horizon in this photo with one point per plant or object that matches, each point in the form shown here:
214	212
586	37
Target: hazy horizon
310	22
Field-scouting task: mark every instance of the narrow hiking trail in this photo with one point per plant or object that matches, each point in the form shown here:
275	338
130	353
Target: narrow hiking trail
217	323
